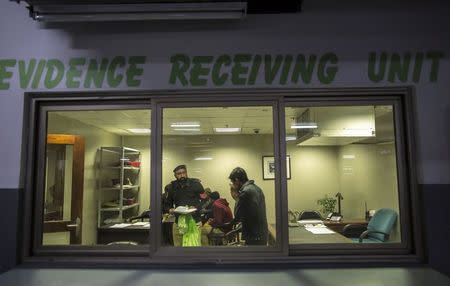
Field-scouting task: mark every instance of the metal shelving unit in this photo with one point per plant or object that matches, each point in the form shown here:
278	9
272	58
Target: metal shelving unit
118	184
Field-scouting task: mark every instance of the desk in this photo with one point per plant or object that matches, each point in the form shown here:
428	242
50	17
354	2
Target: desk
338	226
139	234
299	235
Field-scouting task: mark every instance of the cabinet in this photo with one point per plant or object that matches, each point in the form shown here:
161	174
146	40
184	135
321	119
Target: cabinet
118	184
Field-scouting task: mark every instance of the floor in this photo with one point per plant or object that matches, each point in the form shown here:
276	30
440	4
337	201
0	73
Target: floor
310	277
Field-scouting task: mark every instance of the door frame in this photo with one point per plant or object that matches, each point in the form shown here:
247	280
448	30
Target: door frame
76	211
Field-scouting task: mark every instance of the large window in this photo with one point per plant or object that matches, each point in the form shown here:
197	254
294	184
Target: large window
343	174
222	176
96	182
207	144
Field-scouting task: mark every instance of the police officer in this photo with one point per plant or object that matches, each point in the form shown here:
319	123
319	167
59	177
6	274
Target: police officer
183	191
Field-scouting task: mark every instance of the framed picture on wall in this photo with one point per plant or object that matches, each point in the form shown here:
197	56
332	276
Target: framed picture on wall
268	164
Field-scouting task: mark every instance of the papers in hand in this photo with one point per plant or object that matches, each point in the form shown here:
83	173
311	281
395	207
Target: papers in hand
184	210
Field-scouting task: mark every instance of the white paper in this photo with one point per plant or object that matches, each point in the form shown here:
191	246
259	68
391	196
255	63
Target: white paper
319	230
120	225
309	221
140	223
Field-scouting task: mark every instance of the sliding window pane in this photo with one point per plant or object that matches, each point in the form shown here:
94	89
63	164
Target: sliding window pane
97	178
201	148
343	175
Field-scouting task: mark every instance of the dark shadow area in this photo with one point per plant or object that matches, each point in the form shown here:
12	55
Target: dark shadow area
8	225
437	225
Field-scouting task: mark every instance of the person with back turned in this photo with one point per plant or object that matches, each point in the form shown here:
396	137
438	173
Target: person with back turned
250	208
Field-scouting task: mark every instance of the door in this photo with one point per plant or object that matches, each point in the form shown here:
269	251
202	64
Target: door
63	202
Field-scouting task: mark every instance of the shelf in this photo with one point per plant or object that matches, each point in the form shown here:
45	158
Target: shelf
117	171
124	187
120	167
119	150
115	209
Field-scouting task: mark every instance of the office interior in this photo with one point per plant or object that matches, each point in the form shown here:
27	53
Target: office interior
331	150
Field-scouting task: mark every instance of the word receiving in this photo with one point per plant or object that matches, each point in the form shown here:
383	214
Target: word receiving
89	73
244	69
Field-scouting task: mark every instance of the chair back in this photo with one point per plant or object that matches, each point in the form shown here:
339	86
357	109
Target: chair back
231	237
382	221
309	215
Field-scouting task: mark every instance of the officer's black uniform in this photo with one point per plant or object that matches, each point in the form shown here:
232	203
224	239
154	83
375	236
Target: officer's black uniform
184	192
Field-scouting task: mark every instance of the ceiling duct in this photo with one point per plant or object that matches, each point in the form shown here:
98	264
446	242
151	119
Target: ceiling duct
143	10
135	10
331	126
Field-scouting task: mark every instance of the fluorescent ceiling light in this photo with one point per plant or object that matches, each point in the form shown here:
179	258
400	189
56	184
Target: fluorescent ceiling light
304	125
139	130
227	129
187	129
291	138
203	159
184	124
348	157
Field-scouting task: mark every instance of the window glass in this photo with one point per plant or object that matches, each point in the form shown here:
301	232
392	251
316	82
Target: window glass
97	181
342	175
201	147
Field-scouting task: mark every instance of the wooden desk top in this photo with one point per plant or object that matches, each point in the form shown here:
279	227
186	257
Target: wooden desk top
299	235
346	221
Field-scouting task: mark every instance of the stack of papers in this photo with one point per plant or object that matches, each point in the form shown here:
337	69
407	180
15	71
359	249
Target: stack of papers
120	225
142	223
309	221
318	229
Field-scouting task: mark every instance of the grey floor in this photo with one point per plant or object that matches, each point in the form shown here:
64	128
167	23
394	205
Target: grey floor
310	277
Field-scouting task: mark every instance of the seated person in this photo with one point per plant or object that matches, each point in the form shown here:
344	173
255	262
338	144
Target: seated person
206	205
221	213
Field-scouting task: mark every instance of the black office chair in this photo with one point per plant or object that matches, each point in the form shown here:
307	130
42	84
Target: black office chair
309	215
231	237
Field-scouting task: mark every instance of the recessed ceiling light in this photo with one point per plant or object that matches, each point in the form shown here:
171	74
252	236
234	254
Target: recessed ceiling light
203	159
184	124
348	156
227	129
139	130
187	129
304	125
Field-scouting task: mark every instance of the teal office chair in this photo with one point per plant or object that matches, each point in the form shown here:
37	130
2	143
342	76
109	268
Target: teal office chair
378	229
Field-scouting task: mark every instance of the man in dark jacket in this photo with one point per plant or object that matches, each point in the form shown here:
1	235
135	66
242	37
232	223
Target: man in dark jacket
250	208
183	191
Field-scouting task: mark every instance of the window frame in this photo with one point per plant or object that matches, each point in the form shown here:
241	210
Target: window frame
410	249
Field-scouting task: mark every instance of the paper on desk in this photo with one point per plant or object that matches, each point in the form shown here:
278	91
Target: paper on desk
120	225
142	223
319	230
